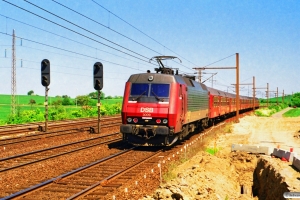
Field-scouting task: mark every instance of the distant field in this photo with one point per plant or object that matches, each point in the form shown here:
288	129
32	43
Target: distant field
295	112
23	102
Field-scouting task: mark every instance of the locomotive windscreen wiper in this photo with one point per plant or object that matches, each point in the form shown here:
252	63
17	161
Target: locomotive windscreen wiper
157	96
141	95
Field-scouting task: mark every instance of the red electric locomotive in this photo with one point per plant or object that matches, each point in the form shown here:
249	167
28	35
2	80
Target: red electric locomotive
160	108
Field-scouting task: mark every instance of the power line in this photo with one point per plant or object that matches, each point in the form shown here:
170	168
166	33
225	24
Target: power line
69	51
104	26
74	31
64	38
219	60
140	31
86	30
63	66
89	31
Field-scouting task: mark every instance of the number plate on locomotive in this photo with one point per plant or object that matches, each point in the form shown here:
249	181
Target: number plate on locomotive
147	110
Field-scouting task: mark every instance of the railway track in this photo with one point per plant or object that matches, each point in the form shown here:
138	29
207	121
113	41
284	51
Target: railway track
93	181
18	136
28	158
84	186
57	133
34	125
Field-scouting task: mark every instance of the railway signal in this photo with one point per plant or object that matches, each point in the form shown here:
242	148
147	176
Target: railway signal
45	77
98	76
45	72
98	85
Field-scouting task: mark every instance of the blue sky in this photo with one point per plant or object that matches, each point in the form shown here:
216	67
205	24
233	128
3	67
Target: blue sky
264	33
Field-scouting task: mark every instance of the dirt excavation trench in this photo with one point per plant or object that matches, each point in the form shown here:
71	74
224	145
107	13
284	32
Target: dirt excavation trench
237	175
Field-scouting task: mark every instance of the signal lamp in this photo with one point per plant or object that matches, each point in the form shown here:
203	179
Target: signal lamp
45	72
158	121
135	120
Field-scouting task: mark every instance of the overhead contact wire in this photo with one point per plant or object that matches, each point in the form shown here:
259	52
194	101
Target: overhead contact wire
74	31
64	38
142	32
105	26
67	50
85	29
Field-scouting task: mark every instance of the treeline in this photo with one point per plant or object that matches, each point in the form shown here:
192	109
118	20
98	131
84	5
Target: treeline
61	108
61	112
82	100
290	100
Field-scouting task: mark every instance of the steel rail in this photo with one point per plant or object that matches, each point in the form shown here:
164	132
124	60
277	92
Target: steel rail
56	147
56	133
35	187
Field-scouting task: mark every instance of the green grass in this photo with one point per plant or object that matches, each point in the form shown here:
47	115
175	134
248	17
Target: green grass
295	112
24	99
212	151
23	104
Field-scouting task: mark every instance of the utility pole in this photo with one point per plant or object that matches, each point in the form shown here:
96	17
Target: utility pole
212	76
263	88
253	89
267	94
277	96
13	76
237	70
254	93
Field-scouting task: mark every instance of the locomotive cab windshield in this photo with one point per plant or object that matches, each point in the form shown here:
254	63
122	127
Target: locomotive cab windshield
149	92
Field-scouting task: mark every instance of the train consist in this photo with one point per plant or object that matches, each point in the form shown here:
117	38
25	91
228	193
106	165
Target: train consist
160	108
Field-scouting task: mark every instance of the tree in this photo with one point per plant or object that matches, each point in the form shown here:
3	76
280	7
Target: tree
31	102
66	101
94	95
82	100
57	103
296	99
31	92
65	96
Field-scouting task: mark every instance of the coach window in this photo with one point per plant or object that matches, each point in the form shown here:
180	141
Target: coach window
216	100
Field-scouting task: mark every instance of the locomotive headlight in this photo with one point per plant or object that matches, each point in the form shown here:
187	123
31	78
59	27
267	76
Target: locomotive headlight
150	78
165	121
129	119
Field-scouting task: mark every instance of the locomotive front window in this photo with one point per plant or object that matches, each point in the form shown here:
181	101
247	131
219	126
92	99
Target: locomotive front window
139	89
149	92
160	90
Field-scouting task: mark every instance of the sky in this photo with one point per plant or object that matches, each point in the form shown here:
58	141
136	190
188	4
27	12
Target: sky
125	34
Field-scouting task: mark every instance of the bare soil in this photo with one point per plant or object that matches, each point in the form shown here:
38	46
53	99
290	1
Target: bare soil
231	175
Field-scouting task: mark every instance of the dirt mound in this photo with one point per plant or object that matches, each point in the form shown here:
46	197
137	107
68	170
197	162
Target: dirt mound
231	175
212	177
